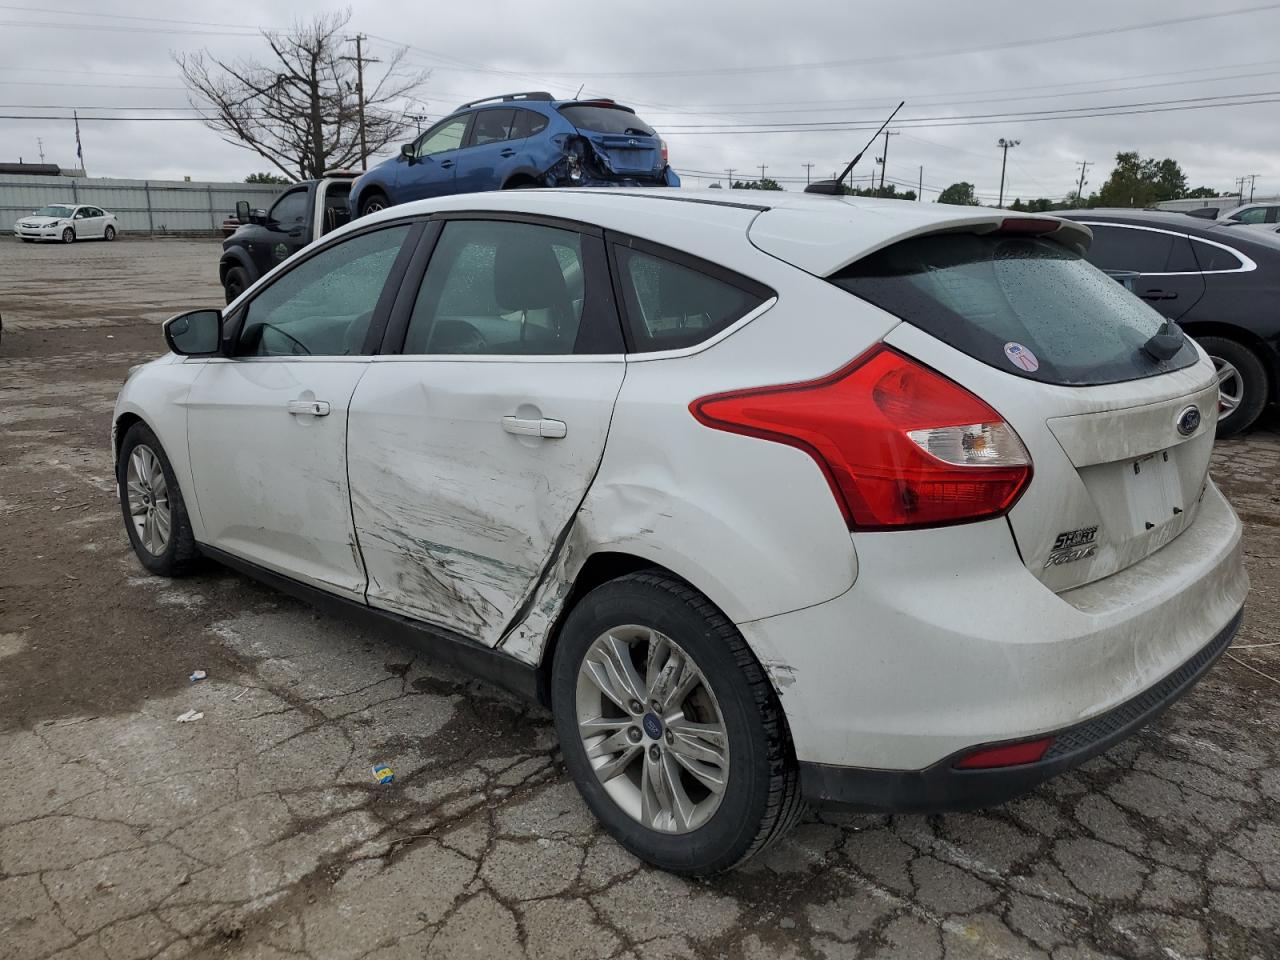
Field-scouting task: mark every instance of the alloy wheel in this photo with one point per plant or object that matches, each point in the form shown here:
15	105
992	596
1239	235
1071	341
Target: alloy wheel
148	496
652	729
1230	387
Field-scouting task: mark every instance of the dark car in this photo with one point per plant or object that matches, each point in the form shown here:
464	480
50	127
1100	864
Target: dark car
520	140
1219	281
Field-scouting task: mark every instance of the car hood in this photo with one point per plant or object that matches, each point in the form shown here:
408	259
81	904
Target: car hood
40	221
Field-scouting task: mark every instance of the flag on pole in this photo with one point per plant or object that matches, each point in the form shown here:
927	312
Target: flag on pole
79	149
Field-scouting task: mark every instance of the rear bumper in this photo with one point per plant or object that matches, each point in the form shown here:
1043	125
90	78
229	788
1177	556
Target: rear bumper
942	787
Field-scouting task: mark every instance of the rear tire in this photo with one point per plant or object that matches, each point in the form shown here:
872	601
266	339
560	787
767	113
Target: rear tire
152	505
1243	385
109	234
731	701
68	235
374	202
235	283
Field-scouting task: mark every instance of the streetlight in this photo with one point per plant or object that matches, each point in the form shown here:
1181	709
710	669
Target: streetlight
1004	145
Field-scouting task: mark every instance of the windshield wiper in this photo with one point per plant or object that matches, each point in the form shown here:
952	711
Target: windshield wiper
1165	342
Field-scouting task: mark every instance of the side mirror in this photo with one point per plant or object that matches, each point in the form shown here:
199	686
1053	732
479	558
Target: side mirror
258	216
195	334
242	211
406	151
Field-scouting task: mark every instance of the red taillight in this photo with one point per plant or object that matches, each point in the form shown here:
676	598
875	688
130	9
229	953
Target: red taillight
1038	225
900	445
1009	755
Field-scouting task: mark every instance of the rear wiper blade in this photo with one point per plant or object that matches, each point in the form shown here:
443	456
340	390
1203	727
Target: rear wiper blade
1165	342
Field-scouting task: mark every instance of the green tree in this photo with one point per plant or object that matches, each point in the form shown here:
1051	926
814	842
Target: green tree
767	183
888	193
1200	193
266	178
1017	204
960	194
1135	182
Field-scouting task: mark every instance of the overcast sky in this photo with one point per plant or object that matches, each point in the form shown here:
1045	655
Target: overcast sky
713	77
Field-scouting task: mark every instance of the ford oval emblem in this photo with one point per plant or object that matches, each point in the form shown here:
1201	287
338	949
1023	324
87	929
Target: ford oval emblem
1189	421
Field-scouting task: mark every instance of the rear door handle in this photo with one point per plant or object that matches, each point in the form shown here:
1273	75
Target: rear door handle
1159	295
521	427
508	152
308	408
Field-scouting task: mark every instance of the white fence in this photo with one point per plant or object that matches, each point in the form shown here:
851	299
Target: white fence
142	206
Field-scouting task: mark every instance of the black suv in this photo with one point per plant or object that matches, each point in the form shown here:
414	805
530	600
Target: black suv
1219	281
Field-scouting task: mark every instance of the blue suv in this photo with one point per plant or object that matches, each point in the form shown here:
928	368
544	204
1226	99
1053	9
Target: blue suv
520	140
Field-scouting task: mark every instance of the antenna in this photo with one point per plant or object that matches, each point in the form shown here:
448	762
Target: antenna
579	93
833	186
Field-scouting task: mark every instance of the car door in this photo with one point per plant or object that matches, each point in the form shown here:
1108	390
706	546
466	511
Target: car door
472	446
267	428
82	221
93	224
483	163
1169	277
429	172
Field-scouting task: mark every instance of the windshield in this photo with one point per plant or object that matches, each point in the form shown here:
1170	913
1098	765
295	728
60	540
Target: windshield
600	119
60	212
1025	305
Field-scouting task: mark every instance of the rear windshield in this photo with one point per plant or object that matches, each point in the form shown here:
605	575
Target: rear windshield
606	120
1026	305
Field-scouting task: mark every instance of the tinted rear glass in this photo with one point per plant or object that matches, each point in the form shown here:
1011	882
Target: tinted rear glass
606	120
999	298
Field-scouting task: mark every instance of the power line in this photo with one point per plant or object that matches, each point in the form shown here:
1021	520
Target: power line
121	28
929	54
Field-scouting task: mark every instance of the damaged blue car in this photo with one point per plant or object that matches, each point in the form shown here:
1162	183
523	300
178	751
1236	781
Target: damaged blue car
520	140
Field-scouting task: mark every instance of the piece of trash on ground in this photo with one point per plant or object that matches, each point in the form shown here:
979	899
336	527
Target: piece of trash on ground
191	716
197	675
382	773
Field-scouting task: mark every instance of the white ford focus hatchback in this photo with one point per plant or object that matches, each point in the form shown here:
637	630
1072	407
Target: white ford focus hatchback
887	505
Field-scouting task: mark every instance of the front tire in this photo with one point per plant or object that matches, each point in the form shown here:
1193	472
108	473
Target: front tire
373	203
109	234
68	235
155	515
1243	391
670	728
235	283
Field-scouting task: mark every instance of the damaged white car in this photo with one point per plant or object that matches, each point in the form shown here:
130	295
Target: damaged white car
810	499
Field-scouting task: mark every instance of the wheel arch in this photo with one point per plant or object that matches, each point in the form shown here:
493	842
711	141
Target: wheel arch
521	178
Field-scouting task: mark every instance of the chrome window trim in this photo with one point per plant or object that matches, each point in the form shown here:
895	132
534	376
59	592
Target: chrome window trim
1246	262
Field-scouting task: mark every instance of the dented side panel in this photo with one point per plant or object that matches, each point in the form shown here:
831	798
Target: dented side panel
456	517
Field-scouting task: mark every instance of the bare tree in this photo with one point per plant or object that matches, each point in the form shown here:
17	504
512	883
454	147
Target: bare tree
299	110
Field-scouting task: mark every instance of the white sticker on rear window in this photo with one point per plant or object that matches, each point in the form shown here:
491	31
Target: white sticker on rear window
1021	357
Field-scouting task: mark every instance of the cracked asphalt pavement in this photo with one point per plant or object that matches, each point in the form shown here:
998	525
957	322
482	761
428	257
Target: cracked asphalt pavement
259	831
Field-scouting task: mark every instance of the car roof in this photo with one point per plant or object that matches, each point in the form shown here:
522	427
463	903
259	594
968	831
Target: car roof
816	232
1218	230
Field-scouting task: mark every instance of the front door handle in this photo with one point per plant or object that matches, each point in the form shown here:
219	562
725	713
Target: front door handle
521	427
308	408
446	164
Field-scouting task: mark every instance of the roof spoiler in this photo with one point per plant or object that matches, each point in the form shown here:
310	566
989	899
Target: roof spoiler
508	97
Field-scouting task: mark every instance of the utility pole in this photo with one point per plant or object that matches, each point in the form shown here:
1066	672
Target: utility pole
360	60
1004	145
417	119
807	168
729	171
1252	179
920	189
884	161
40	146
763	167
1083	165
1239	182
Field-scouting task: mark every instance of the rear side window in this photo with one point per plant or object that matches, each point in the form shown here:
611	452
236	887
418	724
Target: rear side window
1212	257
601	119
1127	248
528	123
998	297
670	305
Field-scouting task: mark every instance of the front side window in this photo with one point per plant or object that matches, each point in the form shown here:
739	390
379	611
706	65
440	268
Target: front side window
291	209
1252	215
670	306
323	306
446	136
492	126
83	213
1025	305
498	288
